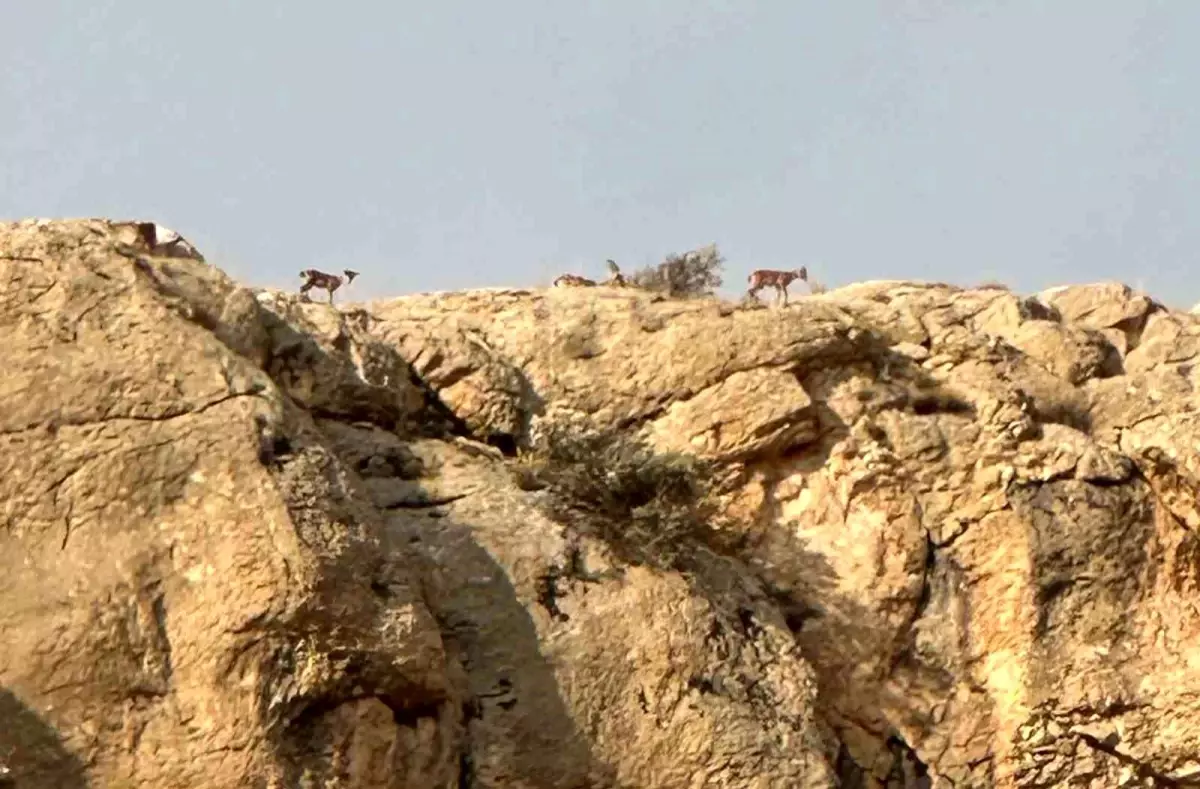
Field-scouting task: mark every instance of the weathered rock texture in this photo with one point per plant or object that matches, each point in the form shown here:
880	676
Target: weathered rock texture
253	541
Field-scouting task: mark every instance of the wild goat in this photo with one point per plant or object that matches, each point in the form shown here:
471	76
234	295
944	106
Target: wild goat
573	281
779	280
163	241
616	279
330	282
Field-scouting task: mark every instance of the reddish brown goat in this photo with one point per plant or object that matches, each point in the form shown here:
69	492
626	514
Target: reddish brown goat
329	282
779	280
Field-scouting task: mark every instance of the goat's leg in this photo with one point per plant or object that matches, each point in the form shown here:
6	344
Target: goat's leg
785	294
305	288
331	290
753	292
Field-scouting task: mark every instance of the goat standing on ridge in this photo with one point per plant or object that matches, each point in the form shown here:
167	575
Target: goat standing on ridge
330	282
616	279
779	280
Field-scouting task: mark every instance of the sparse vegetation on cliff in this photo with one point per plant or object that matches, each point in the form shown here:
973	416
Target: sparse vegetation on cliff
649	507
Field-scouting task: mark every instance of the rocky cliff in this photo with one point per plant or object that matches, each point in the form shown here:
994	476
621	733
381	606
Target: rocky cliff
937	537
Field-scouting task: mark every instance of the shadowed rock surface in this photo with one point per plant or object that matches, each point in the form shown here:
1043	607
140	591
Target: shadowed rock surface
253	541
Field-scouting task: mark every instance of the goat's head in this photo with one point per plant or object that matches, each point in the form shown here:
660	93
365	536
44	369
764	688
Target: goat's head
350	275
802	273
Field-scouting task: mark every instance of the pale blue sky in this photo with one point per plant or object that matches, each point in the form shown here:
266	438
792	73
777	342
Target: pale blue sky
451	144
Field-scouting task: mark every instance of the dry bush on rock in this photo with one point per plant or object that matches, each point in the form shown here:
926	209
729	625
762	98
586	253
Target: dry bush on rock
649	508
695	273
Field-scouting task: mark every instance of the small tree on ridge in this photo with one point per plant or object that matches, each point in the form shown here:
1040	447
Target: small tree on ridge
695	273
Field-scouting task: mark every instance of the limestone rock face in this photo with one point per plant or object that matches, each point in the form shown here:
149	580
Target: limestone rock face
190	583
253	541
243	545
974	509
